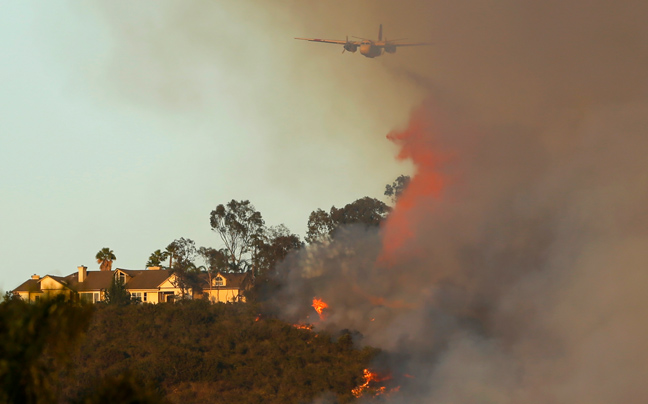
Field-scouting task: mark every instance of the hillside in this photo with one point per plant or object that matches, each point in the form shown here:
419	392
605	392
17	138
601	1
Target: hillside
197	352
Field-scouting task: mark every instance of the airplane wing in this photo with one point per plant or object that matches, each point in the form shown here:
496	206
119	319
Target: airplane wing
410	44
335	41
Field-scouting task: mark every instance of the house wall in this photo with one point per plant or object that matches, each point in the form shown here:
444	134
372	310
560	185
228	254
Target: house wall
151	295
224	295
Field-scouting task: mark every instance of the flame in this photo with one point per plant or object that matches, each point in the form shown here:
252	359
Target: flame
365	387
319	305
303	326
427	182
258	317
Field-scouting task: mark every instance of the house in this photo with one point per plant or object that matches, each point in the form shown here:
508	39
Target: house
151	285
227	287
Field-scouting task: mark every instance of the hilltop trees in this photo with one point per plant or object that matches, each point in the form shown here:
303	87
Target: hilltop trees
395	189
186	272
105	258
364	211
239	226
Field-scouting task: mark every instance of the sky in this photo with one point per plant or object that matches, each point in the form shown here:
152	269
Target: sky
124	124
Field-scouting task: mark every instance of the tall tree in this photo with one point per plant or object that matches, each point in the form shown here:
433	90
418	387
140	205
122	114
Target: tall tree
274	248
320	227
238	224
183	252
395	189
105	258
116	294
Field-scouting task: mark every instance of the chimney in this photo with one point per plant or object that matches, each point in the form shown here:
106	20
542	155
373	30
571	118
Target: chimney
34	276
83	273
153	268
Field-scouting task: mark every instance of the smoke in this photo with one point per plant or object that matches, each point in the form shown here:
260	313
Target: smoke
512	269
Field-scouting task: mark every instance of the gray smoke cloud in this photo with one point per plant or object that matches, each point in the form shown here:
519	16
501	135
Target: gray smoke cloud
524	279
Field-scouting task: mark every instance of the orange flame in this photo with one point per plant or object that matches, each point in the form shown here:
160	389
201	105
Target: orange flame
365	387
319	305
303	326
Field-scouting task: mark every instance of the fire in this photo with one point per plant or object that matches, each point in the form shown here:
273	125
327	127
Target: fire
319	305
303	326
365	387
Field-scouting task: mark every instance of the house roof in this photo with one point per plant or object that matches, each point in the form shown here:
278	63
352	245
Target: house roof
147	279
94	281
31	285
233	279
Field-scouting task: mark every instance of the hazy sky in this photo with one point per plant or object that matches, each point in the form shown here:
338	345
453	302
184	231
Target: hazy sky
123	124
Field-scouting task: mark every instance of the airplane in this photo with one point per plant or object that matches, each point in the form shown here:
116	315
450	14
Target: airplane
368	48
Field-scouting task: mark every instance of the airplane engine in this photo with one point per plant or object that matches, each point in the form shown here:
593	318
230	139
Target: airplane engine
350	47
390	49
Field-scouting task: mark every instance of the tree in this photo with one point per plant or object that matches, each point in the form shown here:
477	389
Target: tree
320	227
397	187
238	224
105	258
116	294
39	340
157	258
274	248
366	211
185	270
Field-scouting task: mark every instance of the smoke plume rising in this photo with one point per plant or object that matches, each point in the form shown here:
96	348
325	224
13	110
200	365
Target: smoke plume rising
512	268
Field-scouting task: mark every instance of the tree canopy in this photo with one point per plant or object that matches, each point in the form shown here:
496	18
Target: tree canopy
239	225
365	211
396	188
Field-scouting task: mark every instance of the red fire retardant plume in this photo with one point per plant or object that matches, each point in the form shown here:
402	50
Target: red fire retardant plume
416	143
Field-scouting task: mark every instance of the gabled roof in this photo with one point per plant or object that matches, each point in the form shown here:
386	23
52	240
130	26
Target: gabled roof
233	279
31	285
94	281
147	279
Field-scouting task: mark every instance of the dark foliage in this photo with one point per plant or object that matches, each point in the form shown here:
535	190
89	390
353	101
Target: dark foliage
197	352
37	340
117	294
364	211
395	189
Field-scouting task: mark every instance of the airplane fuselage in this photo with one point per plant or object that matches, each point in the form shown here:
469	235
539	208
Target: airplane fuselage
368	49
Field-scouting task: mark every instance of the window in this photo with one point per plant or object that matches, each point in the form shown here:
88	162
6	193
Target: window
218	281
122	277
136	296
145	297
92	297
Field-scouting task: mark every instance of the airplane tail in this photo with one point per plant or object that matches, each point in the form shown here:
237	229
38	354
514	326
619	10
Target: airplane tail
380	33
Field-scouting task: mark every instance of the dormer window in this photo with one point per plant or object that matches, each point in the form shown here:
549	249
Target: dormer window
218	281
121	277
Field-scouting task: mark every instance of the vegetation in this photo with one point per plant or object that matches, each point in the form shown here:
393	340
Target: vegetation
197	352
116	294
191	351
37	340
105	258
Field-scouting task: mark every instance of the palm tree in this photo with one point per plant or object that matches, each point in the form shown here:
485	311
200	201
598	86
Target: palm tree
105	258
157	258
